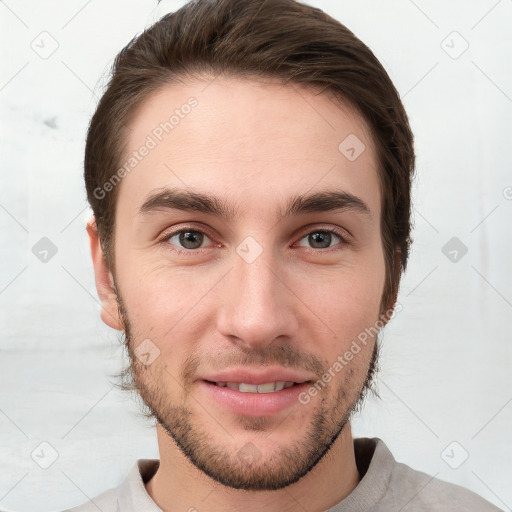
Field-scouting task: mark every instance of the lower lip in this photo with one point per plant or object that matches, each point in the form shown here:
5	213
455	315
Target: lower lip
254	404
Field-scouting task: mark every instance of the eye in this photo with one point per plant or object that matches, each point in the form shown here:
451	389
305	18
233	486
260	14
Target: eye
187	239
191	239
322	238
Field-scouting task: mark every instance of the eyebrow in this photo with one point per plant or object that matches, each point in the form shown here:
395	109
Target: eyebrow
186	200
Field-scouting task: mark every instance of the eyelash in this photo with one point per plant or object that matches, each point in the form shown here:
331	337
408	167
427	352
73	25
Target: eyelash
165	239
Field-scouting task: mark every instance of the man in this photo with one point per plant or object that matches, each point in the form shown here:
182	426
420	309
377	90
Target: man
249	167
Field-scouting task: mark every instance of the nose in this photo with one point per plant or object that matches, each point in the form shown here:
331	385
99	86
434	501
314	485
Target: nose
258	305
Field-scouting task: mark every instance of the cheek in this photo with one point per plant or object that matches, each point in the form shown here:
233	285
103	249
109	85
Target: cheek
163	303
347	298
348	305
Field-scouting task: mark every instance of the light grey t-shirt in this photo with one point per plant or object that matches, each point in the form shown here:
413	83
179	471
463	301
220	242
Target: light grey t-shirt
386	486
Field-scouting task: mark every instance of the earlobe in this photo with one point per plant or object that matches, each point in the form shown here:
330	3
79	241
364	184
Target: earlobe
104	280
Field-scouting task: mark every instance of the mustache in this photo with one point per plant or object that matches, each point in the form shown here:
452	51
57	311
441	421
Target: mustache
286	356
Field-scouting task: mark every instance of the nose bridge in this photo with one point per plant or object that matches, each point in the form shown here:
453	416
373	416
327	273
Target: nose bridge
258	307
257	271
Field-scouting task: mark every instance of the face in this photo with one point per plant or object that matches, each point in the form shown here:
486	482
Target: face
243	298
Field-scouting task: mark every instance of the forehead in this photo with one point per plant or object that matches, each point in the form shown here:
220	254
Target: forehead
244	138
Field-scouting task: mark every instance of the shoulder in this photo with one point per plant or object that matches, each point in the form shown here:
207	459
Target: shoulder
390	485
131	493
106	502
416	491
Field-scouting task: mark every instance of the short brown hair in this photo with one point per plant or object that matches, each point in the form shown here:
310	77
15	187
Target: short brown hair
281	39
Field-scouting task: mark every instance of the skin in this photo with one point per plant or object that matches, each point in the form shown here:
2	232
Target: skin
255	144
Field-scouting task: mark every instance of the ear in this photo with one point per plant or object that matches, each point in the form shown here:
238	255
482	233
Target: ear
104	280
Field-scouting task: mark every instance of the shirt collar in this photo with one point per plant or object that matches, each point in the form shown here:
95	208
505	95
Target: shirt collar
374	461
132	495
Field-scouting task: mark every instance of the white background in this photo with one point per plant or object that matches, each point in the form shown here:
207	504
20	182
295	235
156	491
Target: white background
447	356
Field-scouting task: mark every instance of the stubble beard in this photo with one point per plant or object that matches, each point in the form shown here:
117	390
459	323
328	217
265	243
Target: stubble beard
246	468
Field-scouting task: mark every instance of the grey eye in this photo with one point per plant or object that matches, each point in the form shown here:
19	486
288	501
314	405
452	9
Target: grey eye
188	239
320	239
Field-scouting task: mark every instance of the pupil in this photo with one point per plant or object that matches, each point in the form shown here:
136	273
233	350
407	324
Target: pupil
188	239
320	238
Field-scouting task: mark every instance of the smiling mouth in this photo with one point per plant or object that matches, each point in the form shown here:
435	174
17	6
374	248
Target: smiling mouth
267	387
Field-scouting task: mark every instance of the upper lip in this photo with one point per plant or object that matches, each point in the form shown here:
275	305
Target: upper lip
258	376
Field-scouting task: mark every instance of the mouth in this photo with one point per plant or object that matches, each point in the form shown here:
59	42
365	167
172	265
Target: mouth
262	399
267	387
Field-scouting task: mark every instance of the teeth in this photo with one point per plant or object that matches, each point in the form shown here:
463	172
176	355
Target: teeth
279	386
248	388
268	387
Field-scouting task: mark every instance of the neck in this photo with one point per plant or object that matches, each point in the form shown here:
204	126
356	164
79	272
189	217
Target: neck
179	485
